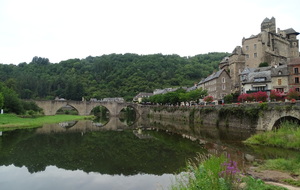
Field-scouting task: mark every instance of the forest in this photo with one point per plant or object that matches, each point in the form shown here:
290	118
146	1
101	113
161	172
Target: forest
113	75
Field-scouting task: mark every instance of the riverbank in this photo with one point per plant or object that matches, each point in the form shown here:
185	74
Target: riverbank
11	121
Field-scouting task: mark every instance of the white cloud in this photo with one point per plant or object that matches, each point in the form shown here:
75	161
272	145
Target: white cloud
63	29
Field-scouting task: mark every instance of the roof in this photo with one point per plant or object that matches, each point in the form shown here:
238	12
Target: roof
279	71
247	71
143	94
291	31
294	61
259	74
212	76
266	20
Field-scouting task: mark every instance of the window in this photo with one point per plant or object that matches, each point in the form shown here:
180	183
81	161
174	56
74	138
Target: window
279	89
260	88
223	87
296	79
296	71
279	73
254	46
223	80
279	81
255	54
260	79
247	55
247	47
297	89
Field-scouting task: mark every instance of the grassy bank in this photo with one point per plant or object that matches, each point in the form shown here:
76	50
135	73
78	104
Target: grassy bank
10	121
287	136
217	173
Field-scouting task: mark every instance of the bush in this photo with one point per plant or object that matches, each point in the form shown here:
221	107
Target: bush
275	95
228	99
263	64
208	99
293	94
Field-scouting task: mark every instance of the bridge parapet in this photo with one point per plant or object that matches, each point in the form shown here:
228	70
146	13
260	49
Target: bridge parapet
50	107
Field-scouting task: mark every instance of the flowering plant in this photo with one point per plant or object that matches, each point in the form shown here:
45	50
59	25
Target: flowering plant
293	94
275	95
208	99
230	172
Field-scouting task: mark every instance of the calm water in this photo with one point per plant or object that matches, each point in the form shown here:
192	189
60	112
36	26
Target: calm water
86	155
110	155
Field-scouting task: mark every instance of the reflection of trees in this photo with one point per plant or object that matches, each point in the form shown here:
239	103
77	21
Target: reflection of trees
106	152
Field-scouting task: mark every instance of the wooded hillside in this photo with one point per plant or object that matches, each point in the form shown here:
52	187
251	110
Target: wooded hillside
114	75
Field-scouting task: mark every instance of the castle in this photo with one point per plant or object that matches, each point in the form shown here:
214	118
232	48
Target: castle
268	48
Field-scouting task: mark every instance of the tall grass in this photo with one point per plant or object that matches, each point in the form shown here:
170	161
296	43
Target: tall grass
217	173
287	136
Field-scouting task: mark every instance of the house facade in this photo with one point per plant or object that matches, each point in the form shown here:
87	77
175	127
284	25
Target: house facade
138	98
294	74
254	80
217	84
280	78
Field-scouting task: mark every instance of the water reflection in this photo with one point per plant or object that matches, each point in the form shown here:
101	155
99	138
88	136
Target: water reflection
57	178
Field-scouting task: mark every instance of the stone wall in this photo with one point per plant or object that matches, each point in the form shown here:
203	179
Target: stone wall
247	116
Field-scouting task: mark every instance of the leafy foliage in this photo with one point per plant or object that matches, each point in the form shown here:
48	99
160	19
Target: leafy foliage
293	94
114	75
178	96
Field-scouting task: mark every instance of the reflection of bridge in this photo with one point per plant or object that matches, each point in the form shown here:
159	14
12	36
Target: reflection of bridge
85	107
84	126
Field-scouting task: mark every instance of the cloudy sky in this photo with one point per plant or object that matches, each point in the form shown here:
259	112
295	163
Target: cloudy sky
64	29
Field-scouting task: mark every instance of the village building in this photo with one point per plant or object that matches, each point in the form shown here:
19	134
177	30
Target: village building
138	98
270	46
280	78
294	74
254	80
217	84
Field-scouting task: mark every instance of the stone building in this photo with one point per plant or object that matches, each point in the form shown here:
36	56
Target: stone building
294	73
256	79
279	78
270	46
217	84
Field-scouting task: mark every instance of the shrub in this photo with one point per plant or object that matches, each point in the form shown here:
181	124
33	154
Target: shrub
263	64
293	94
228	99
275	95
242	97
260	96
208	99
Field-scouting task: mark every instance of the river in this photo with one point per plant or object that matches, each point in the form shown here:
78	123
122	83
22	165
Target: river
89	155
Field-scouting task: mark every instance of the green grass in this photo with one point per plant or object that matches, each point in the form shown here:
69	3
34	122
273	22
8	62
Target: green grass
11	121
287	136
292	165
209	175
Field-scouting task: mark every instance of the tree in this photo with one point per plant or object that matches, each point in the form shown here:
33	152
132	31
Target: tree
263	64
1	100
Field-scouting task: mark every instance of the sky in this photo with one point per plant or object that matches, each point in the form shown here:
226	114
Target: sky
66	29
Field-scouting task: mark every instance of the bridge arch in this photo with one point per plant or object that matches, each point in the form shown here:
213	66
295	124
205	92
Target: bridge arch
274	122
50	107
283	119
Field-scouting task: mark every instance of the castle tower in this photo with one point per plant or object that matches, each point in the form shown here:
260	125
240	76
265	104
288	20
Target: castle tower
268	25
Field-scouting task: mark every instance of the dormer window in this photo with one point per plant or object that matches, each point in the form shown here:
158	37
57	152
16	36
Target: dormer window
260	79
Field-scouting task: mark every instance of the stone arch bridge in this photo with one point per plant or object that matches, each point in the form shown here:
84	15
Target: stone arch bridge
50	107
